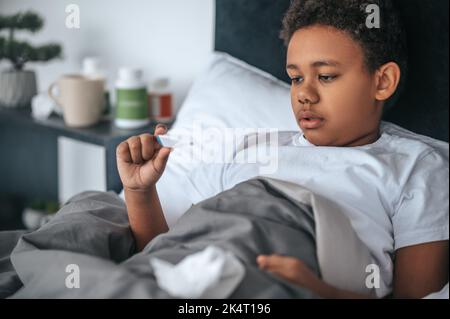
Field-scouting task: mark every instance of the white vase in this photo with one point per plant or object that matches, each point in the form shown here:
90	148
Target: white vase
33	219
17	88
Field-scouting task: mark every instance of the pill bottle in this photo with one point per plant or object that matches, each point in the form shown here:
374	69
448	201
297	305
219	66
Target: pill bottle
160	101
131	99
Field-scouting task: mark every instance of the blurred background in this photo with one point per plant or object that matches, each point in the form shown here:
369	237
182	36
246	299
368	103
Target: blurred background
160	46
163	37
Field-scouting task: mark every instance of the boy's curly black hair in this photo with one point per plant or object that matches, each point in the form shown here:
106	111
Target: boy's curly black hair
380	45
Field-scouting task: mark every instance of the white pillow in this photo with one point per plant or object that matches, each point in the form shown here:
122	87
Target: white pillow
228	94
232	93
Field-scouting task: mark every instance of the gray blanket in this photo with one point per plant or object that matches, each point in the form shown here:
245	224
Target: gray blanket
91	230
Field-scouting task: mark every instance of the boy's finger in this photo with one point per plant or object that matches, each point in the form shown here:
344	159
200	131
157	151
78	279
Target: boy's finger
148	146
123	152
280	273
135	149
160	129
271	262
160	125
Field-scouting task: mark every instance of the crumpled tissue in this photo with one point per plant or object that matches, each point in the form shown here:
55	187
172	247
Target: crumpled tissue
211	273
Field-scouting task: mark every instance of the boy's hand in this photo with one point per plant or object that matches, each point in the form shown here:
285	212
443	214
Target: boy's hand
289	268
141	160
297	272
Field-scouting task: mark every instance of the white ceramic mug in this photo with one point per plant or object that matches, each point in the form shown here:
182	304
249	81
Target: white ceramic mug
81	99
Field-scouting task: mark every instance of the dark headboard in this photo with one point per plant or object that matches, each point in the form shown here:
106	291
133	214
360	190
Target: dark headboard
248	30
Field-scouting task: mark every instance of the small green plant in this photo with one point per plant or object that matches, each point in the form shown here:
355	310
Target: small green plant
20	52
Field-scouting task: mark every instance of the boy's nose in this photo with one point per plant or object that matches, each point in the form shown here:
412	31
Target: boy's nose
307	95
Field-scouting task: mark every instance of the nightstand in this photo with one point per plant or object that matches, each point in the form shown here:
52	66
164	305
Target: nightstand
45	159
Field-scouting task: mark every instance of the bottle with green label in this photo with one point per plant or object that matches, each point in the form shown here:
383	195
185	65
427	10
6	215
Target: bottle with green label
131	100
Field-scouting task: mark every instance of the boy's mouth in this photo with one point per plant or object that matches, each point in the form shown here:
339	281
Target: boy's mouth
309	120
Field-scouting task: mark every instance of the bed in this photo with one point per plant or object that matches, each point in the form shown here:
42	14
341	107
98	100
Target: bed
92	232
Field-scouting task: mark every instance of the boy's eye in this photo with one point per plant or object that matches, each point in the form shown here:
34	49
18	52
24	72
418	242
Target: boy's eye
296	80
327	78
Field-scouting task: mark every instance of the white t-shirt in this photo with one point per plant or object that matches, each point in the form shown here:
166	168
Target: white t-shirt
394	191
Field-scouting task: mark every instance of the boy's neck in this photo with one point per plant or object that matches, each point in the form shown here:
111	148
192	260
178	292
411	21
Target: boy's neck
370	138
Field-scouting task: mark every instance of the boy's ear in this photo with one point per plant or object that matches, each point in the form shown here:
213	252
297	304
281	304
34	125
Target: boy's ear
387	80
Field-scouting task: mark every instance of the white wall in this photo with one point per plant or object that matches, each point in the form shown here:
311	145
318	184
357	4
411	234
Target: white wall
164	37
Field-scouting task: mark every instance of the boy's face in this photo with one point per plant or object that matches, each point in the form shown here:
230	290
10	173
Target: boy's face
332	92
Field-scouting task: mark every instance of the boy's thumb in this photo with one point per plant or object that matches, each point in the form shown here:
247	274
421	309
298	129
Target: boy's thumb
161	158
160	129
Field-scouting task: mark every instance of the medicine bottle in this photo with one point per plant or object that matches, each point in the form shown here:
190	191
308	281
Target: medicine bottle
160	100
131	99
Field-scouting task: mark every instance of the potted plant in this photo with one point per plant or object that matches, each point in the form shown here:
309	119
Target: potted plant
18	86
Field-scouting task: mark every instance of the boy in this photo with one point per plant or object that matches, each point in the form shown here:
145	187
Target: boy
343	74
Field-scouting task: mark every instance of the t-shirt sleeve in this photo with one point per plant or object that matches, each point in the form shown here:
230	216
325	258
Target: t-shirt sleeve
422	211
